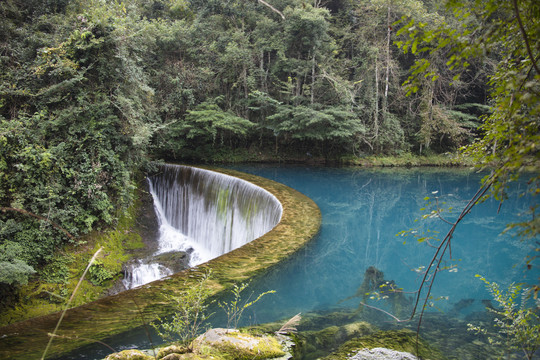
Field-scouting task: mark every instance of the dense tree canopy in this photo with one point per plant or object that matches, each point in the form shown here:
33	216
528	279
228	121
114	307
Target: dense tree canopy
91	90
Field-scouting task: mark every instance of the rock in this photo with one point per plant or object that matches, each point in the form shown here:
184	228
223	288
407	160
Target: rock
174	260
382	354
356	329
240	345
173	356
129	355
172	349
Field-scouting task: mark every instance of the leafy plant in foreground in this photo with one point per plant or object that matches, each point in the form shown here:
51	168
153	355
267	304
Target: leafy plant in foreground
518	325
190	314
235	308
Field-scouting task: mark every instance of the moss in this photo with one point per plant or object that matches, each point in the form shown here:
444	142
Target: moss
233	344
400	340
267	349
171	349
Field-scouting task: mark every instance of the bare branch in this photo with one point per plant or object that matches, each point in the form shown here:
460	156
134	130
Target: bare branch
272	8
290	325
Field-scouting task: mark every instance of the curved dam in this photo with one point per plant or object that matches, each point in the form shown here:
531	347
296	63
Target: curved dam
204	214
291	224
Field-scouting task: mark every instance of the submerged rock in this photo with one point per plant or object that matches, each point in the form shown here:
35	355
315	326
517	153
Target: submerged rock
174	260
399	341
382	354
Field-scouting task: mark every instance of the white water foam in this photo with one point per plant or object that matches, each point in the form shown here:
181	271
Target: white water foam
205	214
143	273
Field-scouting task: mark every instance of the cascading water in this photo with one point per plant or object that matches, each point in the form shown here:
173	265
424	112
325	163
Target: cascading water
205	214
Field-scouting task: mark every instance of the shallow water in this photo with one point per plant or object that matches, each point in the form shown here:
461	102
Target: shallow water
363	210
363	213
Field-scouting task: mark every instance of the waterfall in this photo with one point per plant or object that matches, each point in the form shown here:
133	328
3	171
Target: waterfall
205	214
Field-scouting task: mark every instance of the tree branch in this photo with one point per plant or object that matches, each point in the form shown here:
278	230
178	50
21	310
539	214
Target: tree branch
525	38
272	8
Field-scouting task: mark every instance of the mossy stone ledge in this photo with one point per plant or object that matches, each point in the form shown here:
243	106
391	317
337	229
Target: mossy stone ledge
112	315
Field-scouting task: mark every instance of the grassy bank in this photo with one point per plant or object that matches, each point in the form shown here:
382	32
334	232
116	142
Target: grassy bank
404	159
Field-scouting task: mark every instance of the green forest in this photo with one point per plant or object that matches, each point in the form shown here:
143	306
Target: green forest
93	92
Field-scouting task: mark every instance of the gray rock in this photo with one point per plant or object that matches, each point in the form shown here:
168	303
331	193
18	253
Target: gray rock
382	354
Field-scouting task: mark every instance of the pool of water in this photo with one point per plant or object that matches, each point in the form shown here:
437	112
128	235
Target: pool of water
364	213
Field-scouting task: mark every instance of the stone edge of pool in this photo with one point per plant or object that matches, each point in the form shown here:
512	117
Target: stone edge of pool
98	320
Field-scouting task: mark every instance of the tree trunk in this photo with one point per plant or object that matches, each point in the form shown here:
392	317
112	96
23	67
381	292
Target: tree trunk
376	112
387	76
313	78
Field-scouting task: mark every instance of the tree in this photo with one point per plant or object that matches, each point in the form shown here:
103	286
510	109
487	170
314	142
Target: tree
76	116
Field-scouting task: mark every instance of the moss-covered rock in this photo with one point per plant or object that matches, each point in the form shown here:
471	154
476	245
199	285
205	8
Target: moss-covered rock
318	321
234	344
129	355
317	344
172	349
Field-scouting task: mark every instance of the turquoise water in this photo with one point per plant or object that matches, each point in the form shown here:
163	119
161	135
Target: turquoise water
363	212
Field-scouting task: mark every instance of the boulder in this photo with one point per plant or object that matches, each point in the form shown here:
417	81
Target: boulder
240	345
129	355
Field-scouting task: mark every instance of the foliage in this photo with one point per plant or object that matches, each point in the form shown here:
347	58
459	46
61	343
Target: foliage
71	128
517	324
57	270
190	314
209	121
310	123
98	274
236	306
15	272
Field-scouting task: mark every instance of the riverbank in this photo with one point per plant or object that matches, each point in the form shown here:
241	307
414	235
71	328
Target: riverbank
49	290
